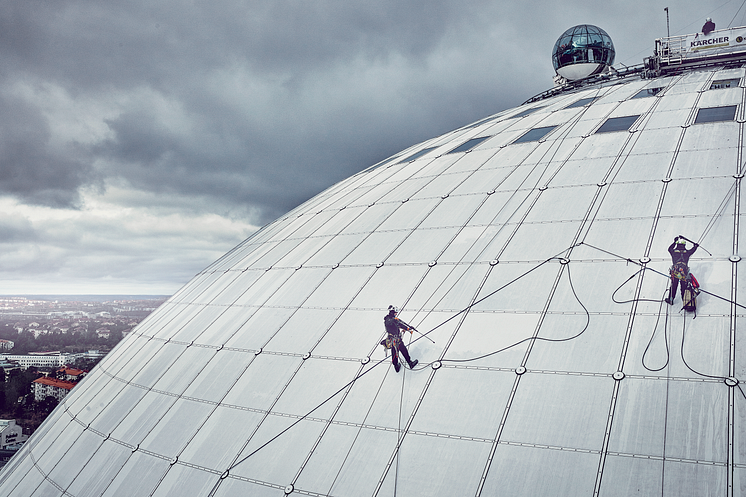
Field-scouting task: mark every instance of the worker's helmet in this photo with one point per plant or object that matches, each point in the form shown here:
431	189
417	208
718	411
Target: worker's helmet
709	19
393	310
681	241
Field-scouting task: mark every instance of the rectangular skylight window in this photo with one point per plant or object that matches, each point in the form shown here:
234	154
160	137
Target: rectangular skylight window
714	114
527	112
725	83
647	92
469	144
479	123
617	124
535	134
418	154
581	102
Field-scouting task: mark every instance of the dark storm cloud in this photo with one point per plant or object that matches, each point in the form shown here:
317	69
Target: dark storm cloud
30	167
210	118
284	153
94	43
307	124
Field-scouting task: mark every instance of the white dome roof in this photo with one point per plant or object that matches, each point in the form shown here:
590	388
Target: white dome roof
545	387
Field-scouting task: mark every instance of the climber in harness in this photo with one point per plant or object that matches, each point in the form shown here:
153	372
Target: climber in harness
393	341
680	269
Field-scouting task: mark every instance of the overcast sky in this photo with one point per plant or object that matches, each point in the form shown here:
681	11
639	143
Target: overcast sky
141	140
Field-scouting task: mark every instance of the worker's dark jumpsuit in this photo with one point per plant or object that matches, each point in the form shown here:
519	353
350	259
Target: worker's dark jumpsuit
393	327
679	257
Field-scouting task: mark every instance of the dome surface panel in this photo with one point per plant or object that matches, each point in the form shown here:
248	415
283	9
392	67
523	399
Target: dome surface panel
19	483
119	407
595	351
629	476
140	475
184	480
213	446
524	470
448	474
219	376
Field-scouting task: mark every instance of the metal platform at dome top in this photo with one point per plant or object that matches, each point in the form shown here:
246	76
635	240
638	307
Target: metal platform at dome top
671	55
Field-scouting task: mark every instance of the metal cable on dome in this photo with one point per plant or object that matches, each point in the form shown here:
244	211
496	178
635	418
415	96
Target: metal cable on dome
683	331
718	213
360	429
301	418
665	338
563	136
613	298
683	335
736	14
495	352
567	339
399	434
307	414
465	309
645	268
724	378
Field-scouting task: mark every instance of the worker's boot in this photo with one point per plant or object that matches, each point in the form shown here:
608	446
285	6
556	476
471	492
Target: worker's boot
669	301
412	364
397	367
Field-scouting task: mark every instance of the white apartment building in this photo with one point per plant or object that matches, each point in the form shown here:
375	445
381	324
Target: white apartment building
49	387
42	360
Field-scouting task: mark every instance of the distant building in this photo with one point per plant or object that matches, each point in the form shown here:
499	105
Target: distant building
72	374
49	387
10	433
9	365
6	344
42	359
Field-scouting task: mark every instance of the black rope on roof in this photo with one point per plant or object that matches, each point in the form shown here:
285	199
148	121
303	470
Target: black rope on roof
557	257
645	268
665	338
346	385
683	358
535	338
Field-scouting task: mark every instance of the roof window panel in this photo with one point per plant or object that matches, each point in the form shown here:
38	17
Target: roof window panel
715	114
617	124
464	147
527	112
535	134
417	155
479	123
725	83
647	92
581	103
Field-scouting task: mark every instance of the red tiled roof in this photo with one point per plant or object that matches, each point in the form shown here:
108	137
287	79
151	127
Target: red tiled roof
71	371
67	385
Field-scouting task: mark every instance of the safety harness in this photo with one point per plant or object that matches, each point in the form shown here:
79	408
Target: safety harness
689	284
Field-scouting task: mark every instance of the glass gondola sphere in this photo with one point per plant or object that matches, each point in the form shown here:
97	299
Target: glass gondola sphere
582	51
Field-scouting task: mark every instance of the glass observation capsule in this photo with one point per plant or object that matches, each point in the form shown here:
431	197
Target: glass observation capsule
582	51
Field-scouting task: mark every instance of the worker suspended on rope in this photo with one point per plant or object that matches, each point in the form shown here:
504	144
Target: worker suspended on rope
680	269
394	341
